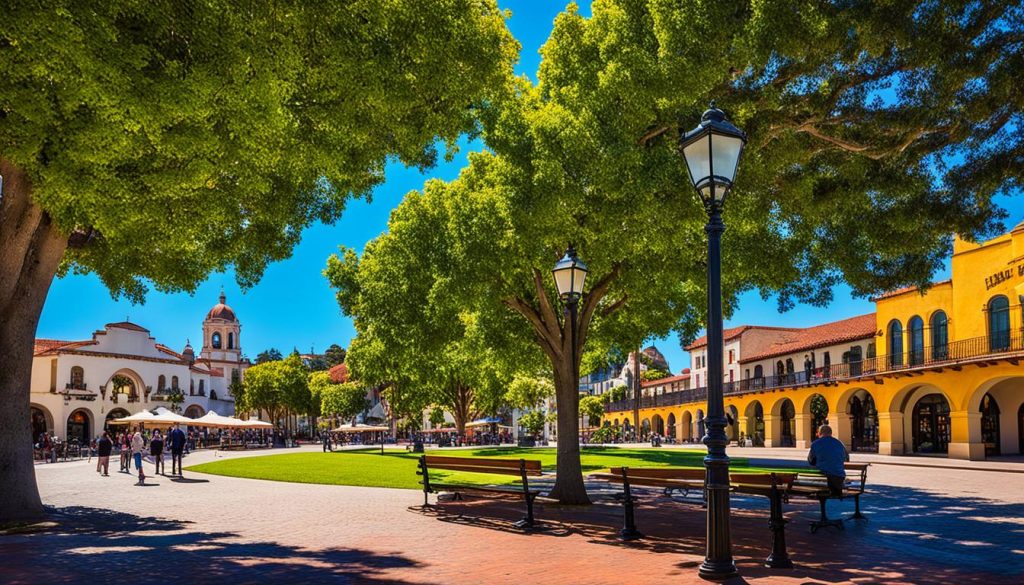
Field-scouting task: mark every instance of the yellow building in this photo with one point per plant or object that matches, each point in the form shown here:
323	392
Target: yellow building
933	371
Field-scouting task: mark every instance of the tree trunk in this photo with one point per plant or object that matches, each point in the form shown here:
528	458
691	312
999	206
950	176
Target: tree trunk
569	487
31	249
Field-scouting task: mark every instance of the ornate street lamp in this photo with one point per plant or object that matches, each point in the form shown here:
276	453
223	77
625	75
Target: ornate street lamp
570	273
712	152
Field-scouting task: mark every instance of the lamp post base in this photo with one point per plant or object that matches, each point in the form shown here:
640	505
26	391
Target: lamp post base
717	570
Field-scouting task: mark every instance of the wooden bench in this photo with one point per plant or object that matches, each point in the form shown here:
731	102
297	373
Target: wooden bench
521	467
670	479
812	484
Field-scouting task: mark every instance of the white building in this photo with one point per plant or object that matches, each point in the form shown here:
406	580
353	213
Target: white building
77	386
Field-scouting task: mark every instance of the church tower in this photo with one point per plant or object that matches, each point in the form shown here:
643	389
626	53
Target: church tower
222	346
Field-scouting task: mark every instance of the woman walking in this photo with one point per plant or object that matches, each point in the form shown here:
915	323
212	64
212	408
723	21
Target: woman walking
156	449
138	444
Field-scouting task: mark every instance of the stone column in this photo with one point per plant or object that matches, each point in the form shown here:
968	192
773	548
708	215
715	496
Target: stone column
890	433
965	436
804	432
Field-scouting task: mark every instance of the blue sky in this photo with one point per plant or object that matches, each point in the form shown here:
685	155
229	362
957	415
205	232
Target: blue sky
293	306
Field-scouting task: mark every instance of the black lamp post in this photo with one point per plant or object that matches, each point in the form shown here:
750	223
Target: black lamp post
712	152
570	273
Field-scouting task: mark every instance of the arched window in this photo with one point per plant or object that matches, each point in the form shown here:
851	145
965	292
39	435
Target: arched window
758	377
202	387
940	336
231	340
161	383
77	377
856	358
174	382
999	324
895	343
915	327
215	341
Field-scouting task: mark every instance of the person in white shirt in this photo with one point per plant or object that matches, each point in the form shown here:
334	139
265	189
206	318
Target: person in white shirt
138	444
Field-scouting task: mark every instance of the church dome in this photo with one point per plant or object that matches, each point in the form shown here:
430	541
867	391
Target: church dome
188	353
222	311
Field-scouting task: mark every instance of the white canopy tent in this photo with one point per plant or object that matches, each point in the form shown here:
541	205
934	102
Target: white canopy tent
360	428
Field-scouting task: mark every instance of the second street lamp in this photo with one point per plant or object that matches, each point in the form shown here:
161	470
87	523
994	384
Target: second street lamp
570	273
712	152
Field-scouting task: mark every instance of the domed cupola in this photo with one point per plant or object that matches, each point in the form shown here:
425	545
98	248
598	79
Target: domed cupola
221	310
188	353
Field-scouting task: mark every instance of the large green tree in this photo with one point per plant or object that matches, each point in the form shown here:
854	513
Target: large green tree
877	130
153	144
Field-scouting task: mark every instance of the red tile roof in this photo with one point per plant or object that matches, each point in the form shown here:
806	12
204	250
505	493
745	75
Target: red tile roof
666	380
905	290
733	333
127	325
339	373
859	327
51	346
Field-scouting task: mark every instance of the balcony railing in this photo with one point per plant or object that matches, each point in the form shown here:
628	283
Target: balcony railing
75	386
976	349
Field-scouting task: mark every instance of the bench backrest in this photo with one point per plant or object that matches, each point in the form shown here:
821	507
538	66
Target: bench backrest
784	480
856	477
660	472
484	465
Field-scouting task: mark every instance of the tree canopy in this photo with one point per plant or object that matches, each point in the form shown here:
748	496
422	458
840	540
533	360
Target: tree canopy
335	354
151	146
268	355
863	118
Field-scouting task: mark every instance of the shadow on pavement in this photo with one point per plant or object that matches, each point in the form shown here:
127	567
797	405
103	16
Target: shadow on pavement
91	545
911	535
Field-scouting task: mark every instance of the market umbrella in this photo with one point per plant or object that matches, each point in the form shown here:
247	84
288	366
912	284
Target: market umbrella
143	416
165	415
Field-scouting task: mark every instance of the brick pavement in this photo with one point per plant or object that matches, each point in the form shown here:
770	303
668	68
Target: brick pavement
927	526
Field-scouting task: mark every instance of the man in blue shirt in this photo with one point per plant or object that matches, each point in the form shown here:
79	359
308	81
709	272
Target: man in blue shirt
829	454
176	438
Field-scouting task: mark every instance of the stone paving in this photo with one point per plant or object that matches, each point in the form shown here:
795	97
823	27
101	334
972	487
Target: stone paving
927	525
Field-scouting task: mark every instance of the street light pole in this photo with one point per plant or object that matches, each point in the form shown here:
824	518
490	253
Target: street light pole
570	274
712	151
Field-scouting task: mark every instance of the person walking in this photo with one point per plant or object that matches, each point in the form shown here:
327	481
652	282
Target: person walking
125	446
156	449
138	445
103	448
176	438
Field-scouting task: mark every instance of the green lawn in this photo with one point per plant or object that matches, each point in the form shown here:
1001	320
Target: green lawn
397	469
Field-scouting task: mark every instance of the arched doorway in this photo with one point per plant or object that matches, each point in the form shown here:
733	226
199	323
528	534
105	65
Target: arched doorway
78	427
755	423
645	429
672	425
41	421
931	424
194	411
626	429
686	422
114	415
787	419
658	425
990	425
1020	427
731	417
819	412
863	422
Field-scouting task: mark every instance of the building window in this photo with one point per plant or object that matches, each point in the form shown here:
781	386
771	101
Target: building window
940	336
191	387
871	351
854	359
77	377
999	324
235	376
732	355
174	382
915	327
161	383
895	343
231	340
202	387
215	341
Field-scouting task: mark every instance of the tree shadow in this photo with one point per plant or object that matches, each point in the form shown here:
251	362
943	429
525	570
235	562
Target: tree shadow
911	536
104	546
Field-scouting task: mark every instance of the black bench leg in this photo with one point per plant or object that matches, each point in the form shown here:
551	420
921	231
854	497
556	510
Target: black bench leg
824	521
629	531
527	523
856	509
779	559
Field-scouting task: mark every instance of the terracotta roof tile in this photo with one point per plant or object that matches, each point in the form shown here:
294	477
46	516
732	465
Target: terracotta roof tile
733	333
823	335
666	380
127	325
51	346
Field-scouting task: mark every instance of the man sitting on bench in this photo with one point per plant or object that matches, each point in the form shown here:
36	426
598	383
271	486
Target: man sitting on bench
829	454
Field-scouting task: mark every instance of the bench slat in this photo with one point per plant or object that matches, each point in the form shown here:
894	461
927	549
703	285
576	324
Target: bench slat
440	460
511	490
661	472
482	469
